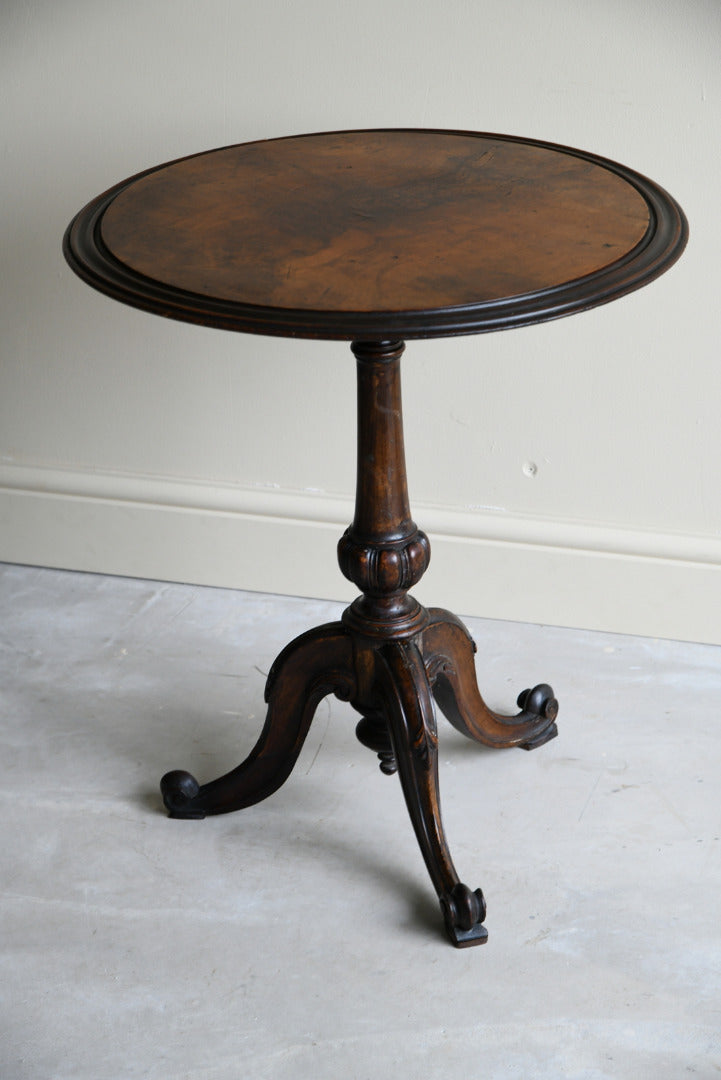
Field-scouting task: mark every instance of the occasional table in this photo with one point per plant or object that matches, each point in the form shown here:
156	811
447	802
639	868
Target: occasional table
377	237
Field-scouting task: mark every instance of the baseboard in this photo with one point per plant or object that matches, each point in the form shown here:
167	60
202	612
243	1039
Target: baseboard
486	564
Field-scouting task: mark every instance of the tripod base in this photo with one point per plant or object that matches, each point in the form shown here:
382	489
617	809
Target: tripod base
391	678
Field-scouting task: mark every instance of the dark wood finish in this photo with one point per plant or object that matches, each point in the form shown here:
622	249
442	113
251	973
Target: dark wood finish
388	657
376	236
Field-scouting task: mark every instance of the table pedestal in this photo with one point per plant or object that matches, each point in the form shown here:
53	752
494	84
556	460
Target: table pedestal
388	656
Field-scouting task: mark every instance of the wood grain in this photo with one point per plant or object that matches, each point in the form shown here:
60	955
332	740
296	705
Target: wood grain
375	221
377	235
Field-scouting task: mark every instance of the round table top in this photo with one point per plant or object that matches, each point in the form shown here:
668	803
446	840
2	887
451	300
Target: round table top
377	234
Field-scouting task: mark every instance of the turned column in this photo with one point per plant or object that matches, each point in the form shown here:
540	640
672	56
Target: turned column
383	552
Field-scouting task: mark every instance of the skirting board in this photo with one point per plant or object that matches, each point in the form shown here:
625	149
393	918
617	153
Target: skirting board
483	564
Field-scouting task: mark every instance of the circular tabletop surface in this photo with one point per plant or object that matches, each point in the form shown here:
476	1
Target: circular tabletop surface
377	234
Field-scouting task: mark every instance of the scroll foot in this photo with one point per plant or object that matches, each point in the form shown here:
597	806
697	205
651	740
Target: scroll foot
464	912
539	702
179	789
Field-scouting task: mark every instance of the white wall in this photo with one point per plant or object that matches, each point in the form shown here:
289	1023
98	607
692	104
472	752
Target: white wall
133	445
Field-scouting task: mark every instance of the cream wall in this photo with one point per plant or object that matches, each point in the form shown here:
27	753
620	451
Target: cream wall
133	445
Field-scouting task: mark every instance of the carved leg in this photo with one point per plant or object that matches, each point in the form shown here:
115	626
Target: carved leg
315	664
448	651
405	694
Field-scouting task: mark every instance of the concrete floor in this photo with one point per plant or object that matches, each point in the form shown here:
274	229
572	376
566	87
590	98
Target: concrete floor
301	937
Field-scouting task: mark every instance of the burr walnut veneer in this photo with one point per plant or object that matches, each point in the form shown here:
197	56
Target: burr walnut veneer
378	237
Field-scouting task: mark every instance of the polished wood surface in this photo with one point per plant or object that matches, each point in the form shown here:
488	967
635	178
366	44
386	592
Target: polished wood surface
361	234
378	221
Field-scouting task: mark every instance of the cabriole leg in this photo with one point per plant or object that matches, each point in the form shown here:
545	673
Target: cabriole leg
448	653
403	688
317	663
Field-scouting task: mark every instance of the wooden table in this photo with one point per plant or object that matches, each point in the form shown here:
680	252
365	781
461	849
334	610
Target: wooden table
377	237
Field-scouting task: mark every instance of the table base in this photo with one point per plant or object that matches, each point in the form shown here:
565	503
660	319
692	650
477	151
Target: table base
388	656
392	684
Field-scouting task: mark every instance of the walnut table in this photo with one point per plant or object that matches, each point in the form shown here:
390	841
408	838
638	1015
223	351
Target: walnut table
376	237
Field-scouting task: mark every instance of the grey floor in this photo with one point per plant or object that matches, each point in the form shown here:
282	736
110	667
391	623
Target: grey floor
301	938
